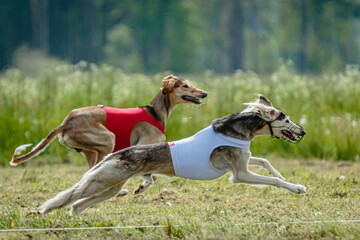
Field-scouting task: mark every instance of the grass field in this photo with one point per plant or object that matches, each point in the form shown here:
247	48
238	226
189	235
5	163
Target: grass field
191	209
327	106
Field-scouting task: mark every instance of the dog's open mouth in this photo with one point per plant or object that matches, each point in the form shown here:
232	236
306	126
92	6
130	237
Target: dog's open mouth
291	136
191	99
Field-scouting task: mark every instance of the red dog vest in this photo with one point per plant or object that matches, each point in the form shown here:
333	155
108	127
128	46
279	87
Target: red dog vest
122	121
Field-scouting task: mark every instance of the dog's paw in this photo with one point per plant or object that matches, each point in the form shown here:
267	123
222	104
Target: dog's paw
140	189
122	193
35	213
73	211
299	189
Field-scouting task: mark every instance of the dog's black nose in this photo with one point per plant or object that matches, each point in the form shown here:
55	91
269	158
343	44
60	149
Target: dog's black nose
303	133
204	95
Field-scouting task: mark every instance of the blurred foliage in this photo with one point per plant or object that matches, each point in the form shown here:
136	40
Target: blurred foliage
188	36
326	106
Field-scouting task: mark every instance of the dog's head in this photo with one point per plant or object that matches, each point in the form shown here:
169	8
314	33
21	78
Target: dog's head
280	125
182	90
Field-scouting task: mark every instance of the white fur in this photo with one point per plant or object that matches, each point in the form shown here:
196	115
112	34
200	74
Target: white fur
107	178
21	148
267	113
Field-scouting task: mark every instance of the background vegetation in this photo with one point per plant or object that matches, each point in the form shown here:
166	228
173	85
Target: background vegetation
64	54
57	55
326	106
187	35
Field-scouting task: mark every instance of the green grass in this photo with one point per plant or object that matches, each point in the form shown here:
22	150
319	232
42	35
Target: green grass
326	106
190	209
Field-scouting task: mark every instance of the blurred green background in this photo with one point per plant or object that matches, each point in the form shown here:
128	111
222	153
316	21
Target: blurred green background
57	55
185	35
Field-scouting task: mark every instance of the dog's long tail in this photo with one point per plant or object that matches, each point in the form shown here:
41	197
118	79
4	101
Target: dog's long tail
36	150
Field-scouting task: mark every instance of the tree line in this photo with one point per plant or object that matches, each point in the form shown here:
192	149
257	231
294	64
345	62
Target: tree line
189	36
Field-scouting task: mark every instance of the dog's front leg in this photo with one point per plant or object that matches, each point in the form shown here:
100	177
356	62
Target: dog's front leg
265	164
239	164
253	178
239	159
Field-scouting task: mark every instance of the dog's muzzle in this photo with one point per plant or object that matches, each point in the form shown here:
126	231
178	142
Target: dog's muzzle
288	134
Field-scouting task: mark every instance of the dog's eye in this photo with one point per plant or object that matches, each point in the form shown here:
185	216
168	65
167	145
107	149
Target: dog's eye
287	121
186	86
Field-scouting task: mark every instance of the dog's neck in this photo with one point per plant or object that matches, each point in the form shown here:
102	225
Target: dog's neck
245	126
160	107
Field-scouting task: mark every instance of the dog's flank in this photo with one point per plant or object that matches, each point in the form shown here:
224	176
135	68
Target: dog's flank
84	128
108	177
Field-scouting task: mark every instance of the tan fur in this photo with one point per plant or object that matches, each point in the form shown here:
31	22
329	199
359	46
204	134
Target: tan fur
84	128
106	179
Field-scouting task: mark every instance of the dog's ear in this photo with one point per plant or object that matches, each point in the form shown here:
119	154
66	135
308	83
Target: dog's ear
263	100
269	113
168	84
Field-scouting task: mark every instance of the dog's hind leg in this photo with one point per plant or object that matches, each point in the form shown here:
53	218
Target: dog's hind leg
80	190
265	164
95	143
149	179
97	180
61	199
80	205
144	185
91	157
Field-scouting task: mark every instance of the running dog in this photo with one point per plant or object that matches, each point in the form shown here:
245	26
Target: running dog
98	131
209	154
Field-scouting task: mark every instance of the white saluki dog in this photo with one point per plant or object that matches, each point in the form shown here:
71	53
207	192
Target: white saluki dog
209	154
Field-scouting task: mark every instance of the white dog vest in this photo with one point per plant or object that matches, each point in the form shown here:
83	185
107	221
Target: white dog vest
191	156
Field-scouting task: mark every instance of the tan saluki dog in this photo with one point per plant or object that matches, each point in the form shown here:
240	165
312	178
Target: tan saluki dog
104	180
84	128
